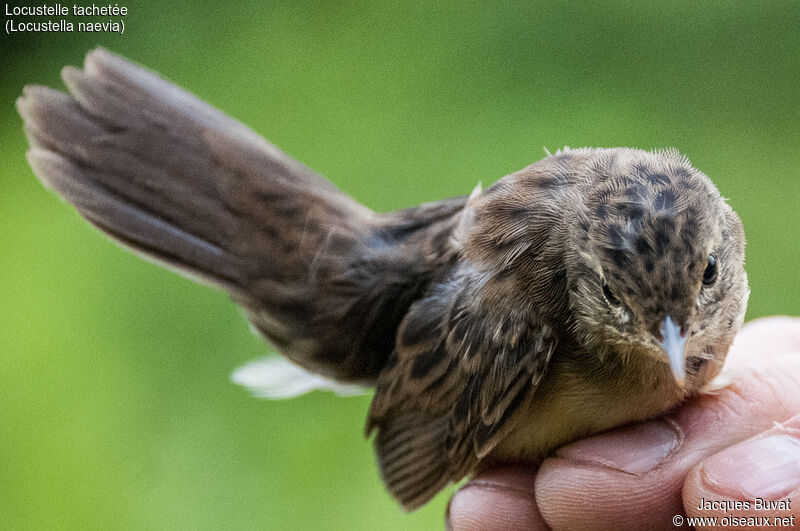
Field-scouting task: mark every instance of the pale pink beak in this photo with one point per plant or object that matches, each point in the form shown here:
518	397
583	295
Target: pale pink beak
674	342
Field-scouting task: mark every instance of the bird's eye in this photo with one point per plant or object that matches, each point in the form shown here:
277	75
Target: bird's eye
609	295
710	273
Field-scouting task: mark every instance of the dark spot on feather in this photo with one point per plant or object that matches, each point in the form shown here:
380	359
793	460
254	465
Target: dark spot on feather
287	210
649	265
391	362
661	242
460	331
681	172
559	281
403	230
695	363
691	226
619	258
442	379
601	210
519	352
275	340
627	290
658	178
270	231
719	295
421	326
547	182
499	276
630	210
339	244
643	246
636	192
290	246
402	224
494	188
507	248
426	361
664	201
500	396
465	400
485	432
271	195
668	223
505	327
440	240
519	213
676	292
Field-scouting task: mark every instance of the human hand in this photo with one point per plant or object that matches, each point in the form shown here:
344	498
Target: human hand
738	443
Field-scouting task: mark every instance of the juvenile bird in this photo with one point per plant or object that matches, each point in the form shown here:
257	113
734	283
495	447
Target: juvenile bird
593	288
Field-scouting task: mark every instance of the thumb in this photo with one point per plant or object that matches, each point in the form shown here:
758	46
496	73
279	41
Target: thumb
759	478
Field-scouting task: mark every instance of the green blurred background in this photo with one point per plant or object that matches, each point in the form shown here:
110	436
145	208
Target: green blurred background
117	411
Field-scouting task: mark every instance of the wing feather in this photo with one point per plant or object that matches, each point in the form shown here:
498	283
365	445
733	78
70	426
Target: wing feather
457	363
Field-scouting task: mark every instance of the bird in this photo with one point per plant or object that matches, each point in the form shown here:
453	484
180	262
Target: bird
594	288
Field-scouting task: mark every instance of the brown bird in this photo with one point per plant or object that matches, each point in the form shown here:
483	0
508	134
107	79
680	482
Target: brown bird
593	288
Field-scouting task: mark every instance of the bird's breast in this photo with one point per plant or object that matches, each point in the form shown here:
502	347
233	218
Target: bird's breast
573	402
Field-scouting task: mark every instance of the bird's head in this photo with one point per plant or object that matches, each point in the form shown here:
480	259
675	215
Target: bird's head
656	265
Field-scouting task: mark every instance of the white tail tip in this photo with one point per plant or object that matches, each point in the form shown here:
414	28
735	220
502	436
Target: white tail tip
277	378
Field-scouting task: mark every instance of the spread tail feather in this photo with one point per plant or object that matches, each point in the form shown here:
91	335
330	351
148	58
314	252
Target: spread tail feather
156	168
132	226
322	277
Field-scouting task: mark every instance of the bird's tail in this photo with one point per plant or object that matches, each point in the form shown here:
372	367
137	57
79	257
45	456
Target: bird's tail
163	172
178	181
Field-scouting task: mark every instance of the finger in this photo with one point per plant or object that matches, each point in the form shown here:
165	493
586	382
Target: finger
500	499
632	477
755	482
764	338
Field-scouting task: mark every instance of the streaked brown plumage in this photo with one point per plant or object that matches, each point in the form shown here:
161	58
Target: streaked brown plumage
593	288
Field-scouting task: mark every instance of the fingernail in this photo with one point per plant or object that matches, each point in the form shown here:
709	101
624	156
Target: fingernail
634	449
767	467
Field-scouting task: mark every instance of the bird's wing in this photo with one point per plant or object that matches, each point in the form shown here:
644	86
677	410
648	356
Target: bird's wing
325	279
453	382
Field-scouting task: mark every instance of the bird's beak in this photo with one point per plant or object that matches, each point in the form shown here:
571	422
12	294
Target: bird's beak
673	343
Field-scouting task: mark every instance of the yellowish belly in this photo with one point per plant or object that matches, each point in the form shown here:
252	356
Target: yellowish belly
568	407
